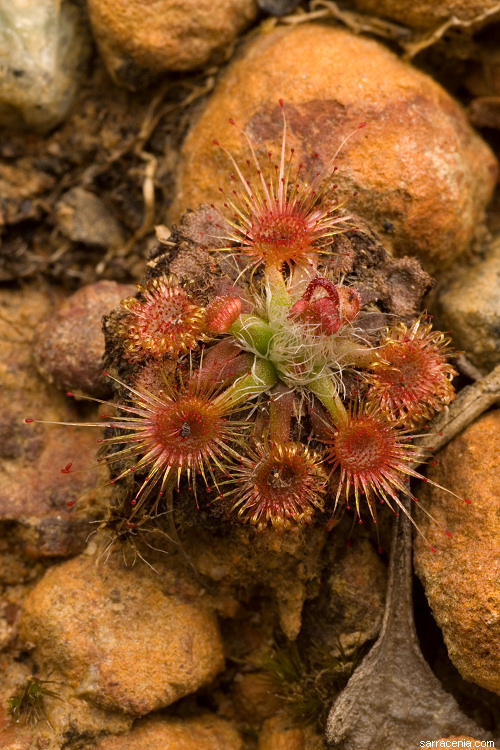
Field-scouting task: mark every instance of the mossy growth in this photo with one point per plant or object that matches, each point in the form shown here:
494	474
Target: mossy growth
26	705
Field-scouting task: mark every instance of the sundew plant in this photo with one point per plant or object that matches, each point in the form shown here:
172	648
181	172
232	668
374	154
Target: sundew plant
249	393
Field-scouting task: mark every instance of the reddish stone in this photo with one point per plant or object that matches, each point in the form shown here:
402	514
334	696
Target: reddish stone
422	174
69	345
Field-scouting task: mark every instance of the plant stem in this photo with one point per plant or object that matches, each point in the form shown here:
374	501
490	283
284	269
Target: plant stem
280	413
324	389
262	377
278	293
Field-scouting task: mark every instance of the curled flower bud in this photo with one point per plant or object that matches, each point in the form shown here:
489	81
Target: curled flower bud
323	313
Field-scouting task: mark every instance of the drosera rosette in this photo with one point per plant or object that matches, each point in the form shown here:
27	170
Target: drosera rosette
278	484
184	430
376	459
219	378
281	214
162	319
410	380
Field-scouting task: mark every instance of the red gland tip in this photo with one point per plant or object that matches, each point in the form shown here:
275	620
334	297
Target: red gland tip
28	421
380	549
281	103
467	502
104	372
67	468
363	124
447	534
69	394
432	549
71	503
216	143
231	121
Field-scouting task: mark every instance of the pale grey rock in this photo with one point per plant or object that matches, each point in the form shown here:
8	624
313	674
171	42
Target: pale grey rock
83	217
43	50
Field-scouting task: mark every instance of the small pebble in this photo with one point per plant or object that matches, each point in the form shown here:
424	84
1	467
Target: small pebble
44	47
83	217
69	345
467	303
138	40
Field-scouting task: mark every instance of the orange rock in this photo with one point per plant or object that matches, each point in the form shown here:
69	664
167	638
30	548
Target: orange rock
254	698
461	578
279	733
426	13
424	176
137	38
203	732
126	639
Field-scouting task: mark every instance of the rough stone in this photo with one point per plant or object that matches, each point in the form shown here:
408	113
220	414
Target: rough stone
138	40
422	174
468	304
83	217
126	639
69	717
254	699
280	733
461	578
21	188
69	345
33	492
350	604
65	716
427	13
15	738
207	732
254	563
44	47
